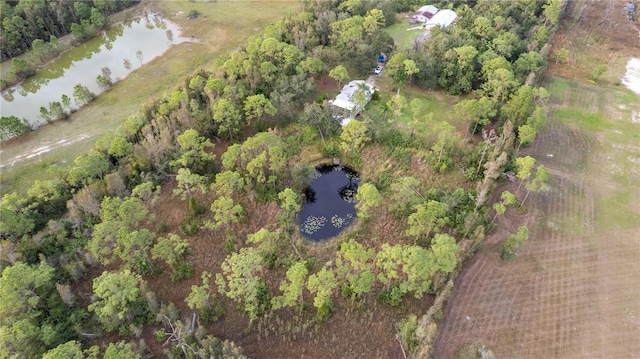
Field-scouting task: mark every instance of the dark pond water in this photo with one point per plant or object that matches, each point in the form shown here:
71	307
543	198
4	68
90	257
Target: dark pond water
329	202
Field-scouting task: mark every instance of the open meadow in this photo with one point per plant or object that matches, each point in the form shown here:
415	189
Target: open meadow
575	290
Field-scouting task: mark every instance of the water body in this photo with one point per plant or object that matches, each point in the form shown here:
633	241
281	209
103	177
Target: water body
122	49
329	202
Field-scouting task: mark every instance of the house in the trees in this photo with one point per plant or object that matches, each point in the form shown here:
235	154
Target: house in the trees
443	18
423	14
351	100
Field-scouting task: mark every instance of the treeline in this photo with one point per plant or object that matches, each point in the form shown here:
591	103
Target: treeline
103	212
27	25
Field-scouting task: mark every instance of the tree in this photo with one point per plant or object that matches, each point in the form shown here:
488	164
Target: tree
255	106
524	165
367	198
292	288
241	282
354	266
188	182
320	117
444	250
121	350
418	269
322	284
389	262
499	85
427	218
98	19
396	104
173	250
354	136
195	151
539	183
132	247
13	127
526	135
224	212
22	69
446	140
514	244
506	199
68	350
290	206
227	183
82	95
120	147
395	69
199	296
261	160
459	71
119	299
340	74
477	112
404	195
88	167
227	117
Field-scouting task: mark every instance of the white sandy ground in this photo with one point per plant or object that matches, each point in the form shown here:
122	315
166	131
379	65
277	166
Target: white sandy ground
44	147
631	78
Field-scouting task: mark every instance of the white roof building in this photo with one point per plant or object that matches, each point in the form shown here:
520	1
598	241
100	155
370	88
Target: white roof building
442	18
423	14
344	101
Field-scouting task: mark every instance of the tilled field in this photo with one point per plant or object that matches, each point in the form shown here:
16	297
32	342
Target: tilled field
575	291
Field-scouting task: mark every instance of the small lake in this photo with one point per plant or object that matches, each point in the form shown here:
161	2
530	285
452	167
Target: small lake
122	49
329	205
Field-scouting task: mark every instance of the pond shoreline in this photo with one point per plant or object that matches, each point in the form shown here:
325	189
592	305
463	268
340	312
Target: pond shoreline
68	42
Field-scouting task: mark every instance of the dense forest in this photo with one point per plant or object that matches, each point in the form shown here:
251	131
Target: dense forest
220	159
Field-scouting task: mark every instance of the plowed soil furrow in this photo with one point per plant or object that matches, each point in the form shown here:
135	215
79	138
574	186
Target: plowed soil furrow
574	292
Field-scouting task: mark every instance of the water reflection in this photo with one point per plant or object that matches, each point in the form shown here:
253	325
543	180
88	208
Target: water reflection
329	202
143	39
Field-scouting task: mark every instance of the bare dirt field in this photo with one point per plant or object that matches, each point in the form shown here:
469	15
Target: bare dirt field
575	291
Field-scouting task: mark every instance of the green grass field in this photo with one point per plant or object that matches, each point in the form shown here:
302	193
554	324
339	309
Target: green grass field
217	30
403	38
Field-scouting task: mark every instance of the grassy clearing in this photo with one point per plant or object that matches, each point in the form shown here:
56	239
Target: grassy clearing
403	38
218	29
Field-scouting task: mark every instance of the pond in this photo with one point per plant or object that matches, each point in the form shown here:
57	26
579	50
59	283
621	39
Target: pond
329	205
122	49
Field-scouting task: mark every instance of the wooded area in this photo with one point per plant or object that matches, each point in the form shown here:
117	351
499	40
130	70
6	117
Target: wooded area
228	143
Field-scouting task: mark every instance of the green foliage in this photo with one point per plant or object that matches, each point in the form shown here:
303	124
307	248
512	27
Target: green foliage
225	212
292	288
188	183
513	245
323	284
241	282
354	136
120	301
173	250
354	267
367	198
427	218
445	251
407	331
21	68
194	152
88	167
12	126
404	195
68	350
